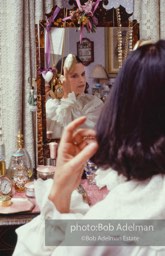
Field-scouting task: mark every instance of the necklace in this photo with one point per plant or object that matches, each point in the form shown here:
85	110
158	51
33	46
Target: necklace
119	38
124	46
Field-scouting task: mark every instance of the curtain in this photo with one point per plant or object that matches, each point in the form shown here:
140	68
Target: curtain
150	15
17	62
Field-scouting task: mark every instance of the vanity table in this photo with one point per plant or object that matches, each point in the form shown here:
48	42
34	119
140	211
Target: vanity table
10	222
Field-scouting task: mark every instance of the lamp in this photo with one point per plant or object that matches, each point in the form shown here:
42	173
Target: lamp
99	73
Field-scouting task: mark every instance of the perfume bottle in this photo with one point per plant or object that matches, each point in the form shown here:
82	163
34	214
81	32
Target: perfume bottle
20	168
2	156
90	170
97	90
2	160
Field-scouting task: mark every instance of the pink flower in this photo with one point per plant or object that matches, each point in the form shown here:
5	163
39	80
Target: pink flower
87	7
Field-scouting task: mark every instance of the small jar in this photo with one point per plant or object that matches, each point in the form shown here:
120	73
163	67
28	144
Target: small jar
29	189
45	172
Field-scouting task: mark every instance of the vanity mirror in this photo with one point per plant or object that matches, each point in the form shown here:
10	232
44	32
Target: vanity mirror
60	21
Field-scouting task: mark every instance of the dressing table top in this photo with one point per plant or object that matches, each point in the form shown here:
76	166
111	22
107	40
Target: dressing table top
19	218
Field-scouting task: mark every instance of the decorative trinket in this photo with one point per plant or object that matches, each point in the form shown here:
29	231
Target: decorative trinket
5	185
5	201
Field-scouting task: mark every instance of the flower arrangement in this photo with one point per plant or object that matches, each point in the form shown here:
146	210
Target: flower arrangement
83	16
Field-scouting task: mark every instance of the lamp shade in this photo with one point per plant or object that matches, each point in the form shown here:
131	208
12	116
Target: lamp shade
99	72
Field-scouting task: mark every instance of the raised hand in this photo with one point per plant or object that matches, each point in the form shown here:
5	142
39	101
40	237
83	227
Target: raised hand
76	147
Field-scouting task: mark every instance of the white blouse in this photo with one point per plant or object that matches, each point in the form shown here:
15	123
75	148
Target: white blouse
126	200
59	113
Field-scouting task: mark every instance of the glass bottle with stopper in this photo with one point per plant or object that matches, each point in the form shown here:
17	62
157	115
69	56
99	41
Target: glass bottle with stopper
20	169
5	182
2	156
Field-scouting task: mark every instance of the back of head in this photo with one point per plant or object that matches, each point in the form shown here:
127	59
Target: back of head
131	128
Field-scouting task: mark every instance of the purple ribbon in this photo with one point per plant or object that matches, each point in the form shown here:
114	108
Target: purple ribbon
96	5
48	28
78	4
81	33
67	18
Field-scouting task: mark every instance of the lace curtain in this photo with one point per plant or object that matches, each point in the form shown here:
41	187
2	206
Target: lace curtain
17	60
150	14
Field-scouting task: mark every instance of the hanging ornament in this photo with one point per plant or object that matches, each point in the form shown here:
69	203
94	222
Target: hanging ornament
32	100
47	76
59	92
56	87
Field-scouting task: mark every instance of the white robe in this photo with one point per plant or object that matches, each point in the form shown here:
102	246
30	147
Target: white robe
59	113
126	200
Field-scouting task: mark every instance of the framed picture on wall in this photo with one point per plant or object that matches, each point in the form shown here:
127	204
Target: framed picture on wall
111	46
85	51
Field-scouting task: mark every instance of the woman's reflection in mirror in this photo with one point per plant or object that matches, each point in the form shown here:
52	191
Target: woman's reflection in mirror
75	101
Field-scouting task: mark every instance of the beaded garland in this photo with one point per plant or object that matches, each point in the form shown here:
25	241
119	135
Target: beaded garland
122	53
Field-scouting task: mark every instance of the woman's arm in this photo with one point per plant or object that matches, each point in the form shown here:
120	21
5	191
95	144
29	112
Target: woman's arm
76	147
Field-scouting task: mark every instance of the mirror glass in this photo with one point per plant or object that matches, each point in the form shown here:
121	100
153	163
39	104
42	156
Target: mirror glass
105	43
70	45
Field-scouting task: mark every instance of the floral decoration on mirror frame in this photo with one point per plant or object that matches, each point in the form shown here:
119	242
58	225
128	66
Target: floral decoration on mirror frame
83	16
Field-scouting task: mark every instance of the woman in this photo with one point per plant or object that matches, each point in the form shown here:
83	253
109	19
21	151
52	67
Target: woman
75	102
131	140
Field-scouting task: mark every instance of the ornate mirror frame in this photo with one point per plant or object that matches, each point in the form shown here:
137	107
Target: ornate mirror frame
106	18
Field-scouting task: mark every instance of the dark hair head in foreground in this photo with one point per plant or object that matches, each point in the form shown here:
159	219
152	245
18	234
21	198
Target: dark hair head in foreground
131	128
